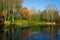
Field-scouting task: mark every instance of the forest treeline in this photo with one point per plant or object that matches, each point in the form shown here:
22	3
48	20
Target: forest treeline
14	10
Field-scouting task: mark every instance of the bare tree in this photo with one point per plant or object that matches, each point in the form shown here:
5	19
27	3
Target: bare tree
51	9
33	10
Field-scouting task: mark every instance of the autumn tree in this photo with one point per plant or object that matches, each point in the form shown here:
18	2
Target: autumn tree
26	13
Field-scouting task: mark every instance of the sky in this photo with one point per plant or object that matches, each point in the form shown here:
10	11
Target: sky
40	4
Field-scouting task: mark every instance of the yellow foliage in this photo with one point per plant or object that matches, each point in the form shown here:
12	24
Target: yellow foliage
21	22
7	23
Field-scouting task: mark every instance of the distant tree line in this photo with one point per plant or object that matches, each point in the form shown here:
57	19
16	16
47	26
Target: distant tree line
13	10
50	14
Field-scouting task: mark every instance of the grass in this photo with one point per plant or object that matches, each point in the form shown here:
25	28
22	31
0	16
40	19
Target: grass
32	23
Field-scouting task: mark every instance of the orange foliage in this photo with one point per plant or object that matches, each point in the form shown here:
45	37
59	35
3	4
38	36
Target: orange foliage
1	16
26	13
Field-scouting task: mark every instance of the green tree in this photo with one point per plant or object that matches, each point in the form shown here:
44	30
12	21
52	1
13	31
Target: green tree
12	8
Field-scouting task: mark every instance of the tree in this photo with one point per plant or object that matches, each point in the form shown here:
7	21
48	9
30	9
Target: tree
26	14
35	14
43	16
52	13
12	8
2	25
33	10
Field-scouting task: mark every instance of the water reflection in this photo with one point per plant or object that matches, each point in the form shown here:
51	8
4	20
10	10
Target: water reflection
58	35
42	33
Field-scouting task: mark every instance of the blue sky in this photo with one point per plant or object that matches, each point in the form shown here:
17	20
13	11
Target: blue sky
40	4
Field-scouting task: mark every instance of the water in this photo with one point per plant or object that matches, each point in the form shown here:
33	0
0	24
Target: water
34	35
